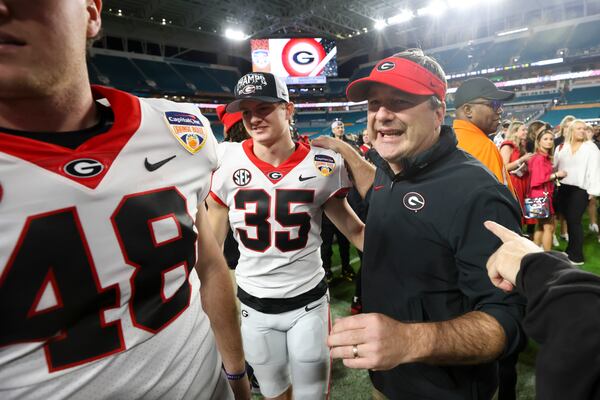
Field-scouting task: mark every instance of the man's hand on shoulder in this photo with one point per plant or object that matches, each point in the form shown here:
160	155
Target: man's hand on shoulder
327	142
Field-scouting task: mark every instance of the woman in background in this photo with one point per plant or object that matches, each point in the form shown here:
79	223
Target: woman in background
515	158
580	158
592	211
559	140
541	183
562	130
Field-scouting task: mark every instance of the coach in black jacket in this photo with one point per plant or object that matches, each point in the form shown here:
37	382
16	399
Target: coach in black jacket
433	324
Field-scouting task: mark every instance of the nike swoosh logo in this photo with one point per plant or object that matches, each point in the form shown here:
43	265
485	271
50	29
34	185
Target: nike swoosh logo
305	178
154	166
376	188
307	308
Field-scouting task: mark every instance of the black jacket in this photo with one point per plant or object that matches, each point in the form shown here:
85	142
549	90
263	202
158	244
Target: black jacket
563	316
424	260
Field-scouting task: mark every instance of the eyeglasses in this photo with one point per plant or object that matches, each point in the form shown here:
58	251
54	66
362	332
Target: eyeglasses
493	104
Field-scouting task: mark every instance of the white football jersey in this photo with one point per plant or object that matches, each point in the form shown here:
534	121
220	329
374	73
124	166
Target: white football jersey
99	298
275	214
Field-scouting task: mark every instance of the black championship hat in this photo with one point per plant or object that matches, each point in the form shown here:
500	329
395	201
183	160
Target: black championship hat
259	86
479	88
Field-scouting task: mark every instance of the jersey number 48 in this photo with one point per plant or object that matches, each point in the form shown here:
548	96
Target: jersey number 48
53	250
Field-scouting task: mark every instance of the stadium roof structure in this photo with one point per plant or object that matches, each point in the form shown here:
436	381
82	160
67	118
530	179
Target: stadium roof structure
336	19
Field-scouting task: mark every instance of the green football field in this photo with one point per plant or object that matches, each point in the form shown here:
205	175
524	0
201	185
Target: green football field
349	384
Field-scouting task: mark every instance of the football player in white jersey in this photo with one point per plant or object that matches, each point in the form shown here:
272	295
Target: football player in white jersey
272	192
101	229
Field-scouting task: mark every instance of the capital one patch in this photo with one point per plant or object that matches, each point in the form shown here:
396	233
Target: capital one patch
325	164
187	129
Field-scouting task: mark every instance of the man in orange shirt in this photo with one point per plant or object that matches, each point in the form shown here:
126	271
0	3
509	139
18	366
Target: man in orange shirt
478	112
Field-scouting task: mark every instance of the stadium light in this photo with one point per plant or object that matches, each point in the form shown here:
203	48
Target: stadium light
434	9
403	16
379	24
512	32
235	34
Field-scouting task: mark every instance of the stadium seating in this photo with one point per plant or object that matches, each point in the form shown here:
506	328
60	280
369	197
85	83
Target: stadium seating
199	78
583	95
121	73
554	116
93	73
584	37
536	98
462	59
526	113
144	75
500	53
336	87
544	44
166	78
226	79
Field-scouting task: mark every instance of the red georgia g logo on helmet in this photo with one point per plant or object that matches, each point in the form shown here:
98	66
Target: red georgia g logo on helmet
302	57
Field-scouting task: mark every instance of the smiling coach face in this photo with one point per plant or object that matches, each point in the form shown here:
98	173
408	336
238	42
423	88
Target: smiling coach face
405	94
401	124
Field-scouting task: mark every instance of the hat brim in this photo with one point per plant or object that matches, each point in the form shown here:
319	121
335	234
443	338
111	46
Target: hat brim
359	89
502	95
234	106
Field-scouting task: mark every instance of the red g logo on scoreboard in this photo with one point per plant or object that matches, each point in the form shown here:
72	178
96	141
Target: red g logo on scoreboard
303	57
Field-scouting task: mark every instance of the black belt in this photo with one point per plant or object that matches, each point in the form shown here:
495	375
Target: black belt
277	306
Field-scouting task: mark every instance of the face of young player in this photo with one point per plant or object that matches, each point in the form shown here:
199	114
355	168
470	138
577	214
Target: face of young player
267	123
547	142
401	124
42	44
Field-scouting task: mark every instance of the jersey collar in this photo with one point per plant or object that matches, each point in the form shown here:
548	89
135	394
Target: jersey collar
275	174
103	148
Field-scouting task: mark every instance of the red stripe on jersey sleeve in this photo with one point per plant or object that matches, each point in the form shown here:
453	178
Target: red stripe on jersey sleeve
217	199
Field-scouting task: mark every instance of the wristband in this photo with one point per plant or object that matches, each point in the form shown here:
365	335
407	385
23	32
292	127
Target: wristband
235	377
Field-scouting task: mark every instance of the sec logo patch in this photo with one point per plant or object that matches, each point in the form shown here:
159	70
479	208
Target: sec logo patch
242	177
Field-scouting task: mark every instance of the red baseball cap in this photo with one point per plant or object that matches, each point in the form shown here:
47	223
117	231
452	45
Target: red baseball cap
228	119
399	73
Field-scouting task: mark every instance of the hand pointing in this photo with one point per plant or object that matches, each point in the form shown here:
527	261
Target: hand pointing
504	265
